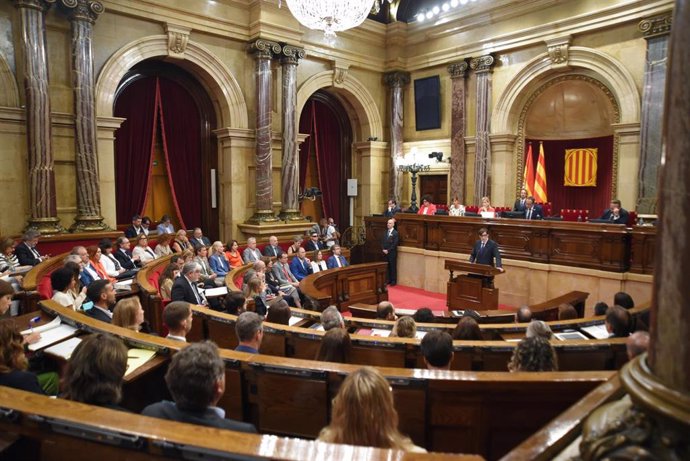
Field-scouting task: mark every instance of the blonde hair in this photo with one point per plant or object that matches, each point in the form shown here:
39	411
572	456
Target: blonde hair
364	414
404	327
125	313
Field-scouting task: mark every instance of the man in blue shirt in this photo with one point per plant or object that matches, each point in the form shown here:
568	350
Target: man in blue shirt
300	266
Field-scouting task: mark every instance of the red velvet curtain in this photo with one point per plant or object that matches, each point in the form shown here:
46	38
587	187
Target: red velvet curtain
134	141
181	135
595	199
325	137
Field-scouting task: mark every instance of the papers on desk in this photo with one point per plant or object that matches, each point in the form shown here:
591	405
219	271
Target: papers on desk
405	311
380	332
457	313
566	335
64	349
123	285
294	320
136	358
50	333
317	326
596	331
215	292
420	334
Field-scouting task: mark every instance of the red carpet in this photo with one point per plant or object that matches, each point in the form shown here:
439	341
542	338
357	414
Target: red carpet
413	298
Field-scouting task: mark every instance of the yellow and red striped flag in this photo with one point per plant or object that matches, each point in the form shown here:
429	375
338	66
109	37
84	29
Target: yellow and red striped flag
540	180
528	174
581	167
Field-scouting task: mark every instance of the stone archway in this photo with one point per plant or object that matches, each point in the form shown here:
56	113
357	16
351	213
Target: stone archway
9	92
508	119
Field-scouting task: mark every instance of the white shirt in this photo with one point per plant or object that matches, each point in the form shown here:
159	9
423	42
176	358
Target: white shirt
177	338
145	254
109	266
106	311
68	299
318	267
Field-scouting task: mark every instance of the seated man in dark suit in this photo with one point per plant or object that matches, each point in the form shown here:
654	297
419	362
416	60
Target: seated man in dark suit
392	209
300	265
102	294
185	286
26	252
135	229
616	214
313	243
437	349
520	202
617	322
272	249
199	239
196	381
123	254
532	210
337	260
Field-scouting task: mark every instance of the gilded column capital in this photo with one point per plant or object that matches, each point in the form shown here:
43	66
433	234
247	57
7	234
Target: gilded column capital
396	79
458	69
264	49
482	64
41	5
83	10
291	54
657	25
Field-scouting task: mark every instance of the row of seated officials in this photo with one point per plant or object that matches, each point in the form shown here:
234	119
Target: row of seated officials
525	207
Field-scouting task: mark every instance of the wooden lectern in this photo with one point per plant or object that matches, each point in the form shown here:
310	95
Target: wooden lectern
471	290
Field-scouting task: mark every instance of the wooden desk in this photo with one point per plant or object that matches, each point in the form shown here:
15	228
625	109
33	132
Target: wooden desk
474	288
597	246
359	283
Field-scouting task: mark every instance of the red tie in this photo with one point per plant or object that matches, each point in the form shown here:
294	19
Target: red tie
286	272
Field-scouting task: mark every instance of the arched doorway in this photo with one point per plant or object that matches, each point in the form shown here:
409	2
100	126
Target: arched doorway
326	157
164	152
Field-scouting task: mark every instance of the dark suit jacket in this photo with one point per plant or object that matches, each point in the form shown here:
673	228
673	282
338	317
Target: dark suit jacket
268	251
623	216
98	315
487	255
204	241
22	380
182	291
391	213
168	410
390	243
331	263
125	261
131	232
311	246
537	212
25	256
519	205
300	269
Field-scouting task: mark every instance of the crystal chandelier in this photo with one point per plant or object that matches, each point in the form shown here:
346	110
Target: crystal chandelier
330	16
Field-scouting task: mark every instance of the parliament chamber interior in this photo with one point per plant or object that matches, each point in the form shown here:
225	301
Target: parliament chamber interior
357	229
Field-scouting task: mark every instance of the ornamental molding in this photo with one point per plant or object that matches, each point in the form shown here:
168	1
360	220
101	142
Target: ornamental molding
482	64
178	39
557	49
656	26
458	69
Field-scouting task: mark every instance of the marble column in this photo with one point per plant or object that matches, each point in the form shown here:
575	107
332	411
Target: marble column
263	51
290	173
656	31
657	422
82	15
38	126
482	66
458	74
397	81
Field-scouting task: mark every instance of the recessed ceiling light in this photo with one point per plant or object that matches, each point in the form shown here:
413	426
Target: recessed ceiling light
445	7
420	17
436	9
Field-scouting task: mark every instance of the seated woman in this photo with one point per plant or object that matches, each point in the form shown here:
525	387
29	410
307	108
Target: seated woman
467	330
279	313
404	327
111	265
64	284
128	313
95	371
296	244
539	328
143	251
207	277
486	206
181	241
166	280
363	413
96	258
217	260
455	209
427	207
163	245
8	264
533	354
13	362
335	346
233	254
256	289
291	294
318	264
165	226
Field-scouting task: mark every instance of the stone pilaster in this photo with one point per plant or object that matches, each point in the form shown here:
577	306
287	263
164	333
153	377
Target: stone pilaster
263	51
458	75
82	15
397	81
482	66
290	172
38	127
656	32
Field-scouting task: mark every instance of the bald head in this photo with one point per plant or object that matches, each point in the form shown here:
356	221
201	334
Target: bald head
637	343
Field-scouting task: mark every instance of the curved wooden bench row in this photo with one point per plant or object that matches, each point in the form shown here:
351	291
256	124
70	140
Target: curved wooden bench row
470	412
45	428
32	279
303	343
150	298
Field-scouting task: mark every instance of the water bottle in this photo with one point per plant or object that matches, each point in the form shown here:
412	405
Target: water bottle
579	218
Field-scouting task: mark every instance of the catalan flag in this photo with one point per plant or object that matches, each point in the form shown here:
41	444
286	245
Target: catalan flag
581	167
528	174
540	180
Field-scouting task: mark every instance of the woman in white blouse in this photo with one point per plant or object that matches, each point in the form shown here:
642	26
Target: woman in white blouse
456	209
317	263
143	251
64	282
110	264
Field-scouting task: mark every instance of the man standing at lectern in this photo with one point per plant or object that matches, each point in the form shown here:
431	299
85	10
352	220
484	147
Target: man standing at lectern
485	251
390	249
